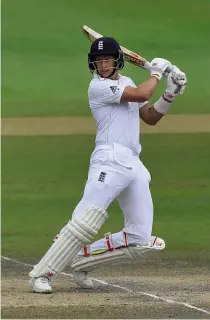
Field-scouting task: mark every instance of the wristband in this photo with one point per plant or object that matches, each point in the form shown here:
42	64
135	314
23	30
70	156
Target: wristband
156	76
162	105
169	97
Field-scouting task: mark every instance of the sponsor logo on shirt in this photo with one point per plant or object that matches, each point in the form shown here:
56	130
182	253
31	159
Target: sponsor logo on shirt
113	88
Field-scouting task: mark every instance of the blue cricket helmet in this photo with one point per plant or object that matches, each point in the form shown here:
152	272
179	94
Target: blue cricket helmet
105	46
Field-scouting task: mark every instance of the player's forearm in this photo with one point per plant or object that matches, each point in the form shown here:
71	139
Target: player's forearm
176	83
153	115
141	93
149	114
147	88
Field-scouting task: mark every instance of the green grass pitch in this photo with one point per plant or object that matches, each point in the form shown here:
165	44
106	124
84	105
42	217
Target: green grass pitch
43	179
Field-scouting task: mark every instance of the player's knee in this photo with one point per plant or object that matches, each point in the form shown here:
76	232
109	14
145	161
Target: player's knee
154	245
86	225
84	204
157	243
144	239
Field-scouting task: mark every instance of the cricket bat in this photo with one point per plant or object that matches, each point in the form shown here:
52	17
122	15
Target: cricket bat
130	56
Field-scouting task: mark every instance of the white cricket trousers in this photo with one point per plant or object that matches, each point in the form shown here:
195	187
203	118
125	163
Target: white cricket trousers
115	173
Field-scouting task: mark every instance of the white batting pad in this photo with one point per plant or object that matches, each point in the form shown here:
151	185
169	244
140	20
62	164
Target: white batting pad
78	232
118	256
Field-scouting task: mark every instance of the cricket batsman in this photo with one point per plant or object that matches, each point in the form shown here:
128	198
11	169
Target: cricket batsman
115	171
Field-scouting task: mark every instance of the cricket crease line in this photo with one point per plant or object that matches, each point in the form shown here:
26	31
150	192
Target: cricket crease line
122	288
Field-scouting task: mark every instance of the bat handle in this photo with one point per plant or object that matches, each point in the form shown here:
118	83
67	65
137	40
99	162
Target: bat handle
167	71
147	65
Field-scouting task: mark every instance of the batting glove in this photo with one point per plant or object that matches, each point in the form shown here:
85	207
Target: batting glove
158	66
176	84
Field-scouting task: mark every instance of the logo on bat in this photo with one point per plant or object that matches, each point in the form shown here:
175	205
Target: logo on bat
134	54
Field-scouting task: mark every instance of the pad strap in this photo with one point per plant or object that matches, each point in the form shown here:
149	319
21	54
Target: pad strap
108	241
86	251
125	238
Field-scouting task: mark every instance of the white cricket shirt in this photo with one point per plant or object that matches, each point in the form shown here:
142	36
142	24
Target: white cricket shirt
115	122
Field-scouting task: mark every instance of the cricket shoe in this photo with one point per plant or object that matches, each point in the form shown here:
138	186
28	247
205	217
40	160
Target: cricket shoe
82	279
41	285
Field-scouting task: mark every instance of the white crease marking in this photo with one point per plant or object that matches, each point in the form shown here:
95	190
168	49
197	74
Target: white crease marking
123	288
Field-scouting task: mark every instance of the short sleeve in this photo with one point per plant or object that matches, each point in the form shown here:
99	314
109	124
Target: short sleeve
106	92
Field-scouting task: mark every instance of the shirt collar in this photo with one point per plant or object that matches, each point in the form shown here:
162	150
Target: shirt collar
96	76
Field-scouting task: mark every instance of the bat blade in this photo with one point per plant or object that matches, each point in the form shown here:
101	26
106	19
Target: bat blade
91	34
130	56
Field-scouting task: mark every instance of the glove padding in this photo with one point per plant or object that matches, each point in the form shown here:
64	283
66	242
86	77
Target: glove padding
176	84
158	66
